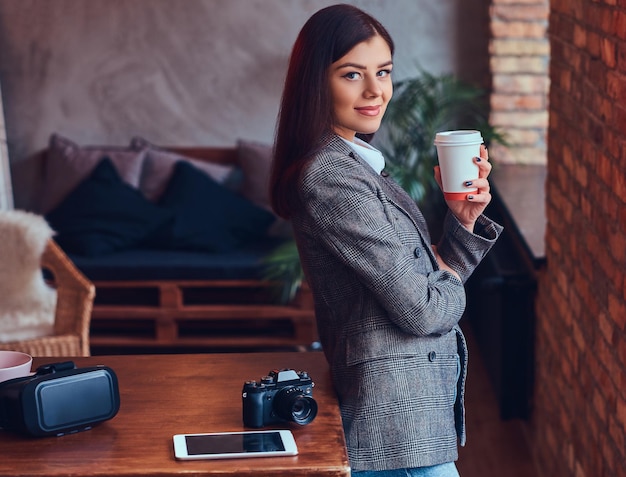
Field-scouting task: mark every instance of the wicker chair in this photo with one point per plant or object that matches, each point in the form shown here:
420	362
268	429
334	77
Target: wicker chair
75	295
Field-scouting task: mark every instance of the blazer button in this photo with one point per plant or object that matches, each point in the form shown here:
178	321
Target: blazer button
384	173
418	252
432	356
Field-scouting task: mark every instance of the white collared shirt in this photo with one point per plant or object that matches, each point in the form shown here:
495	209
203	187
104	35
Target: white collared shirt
370	154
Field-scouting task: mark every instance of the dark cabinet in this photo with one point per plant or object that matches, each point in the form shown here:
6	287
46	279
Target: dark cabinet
501	292
500	310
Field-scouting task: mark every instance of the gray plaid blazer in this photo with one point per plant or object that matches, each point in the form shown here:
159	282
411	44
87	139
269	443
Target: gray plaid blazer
387	316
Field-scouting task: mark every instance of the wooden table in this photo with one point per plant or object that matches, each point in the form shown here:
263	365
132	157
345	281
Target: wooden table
163	395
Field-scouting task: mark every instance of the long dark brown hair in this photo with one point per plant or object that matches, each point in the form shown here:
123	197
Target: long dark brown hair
306	111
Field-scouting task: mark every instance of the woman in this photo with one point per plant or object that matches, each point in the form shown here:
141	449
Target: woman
387	302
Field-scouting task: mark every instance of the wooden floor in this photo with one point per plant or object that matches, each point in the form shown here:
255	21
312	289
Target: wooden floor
495	448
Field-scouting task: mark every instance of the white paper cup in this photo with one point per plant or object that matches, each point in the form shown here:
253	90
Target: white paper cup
14	364
456	151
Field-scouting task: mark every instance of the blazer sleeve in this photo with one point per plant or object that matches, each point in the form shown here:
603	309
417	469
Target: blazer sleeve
345	208
463	250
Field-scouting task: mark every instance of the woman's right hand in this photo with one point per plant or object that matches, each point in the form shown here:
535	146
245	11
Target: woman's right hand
467	211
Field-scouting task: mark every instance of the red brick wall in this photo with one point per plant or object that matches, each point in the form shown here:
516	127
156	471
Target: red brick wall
578	426
519	58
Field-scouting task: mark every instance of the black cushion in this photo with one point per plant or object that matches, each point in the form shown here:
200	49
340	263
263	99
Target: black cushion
208	216
151	264
104	214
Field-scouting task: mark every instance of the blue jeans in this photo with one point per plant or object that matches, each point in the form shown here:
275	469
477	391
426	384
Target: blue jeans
441	470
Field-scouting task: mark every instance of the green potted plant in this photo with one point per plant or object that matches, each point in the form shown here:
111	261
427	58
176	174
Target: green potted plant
282	266
422	106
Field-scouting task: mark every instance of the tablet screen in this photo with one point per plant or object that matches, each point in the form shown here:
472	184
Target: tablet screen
234	443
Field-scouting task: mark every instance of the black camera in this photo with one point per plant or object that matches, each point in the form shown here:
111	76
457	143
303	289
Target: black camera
59	399
284	395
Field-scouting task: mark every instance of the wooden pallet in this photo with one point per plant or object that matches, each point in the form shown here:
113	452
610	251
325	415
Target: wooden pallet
163	315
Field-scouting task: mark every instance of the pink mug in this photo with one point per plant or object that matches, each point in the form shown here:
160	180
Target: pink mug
14	364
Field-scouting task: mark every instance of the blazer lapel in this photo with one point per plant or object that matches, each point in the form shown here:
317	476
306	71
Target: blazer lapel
398	196
394	193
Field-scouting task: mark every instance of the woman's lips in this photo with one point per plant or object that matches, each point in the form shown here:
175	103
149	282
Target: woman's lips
369	110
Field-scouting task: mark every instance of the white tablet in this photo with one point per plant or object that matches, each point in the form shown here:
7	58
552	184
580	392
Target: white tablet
230	445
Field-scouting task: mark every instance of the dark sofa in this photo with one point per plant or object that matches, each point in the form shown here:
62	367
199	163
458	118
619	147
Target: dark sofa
174	240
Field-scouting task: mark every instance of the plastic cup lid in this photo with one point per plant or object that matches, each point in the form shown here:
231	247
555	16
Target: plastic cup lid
458	138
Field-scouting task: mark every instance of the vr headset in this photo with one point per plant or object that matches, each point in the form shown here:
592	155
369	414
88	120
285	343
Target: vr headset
59	399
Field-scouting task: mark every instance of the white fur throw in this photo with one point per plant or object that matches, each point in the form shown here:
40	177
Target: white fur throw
27	303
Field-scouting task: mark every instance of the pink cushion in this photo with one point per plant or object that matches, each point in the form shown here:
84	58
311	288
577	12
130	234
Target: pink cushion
68	164
159	164
255	160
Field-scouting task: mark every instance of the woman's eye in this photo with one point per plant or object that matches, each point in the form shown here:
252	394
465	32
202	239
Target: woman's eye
383	73
353	75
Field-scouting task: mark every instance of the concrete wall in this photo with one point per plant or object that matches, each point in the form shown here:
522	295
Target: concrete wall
187	72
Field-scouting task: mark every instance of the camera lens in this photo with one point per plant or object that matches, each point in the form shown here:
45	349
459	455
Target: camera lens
291	404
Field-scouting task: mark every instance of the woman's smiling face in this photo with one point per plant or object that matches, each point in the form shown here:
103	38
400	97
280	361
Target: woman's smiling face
361	87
